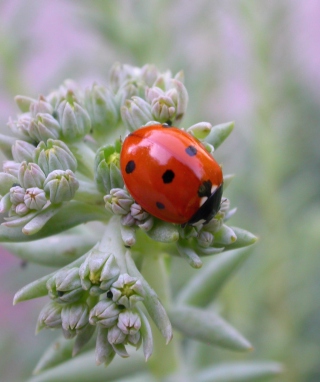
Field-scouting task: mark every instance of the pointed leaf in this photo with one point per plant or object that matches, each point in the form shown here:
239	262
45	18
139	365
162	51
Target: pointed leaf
240	372
211	278
219	133
69	215
244	238
151	301
208	327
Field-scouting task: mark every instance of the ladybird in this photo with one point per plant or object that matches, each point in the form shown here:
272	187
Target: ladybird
171	175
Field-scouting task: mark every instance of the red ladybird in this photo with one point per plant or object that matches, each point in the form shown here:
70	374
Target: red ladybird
171	175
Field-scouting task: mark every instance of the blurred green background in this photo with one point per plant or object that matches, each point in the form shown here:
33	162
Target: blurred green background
254	62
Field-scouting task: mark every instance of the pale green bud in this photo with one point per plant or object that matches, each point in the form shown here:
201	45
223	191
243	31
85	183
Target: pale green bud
149	74
105	314
75	318
99	269
129	322
41	106
30	175
35	198
118	201
22	151
138	212
147	224
65	285
20	128
17	194
21	209
12	168
50	316
128	220
163	109
24	102
107	168
61	186
54	155
205	239
74	120
116	336
102	109
136	113
127	291
200	130
43	127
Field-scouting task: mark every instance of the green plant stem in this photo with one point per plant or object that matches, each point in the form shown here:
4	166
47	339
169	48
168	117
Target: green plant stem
166	358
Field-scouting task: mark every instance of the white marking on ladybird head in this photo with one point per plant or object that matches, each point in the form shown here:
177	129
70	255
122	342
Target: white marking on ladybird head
203	200
213	188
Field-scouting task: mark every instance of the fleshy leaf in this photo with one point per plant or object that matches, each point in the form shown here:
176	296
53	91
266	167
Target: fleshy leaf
211	278
219	133
240	372
208	327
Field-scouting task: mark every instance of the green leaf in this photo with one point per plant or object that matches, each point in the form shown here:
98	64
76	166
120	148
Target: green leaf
240	372
244	238
163	232
83	369
219	133
69	215
38	288
211	278
187	253
56	251
208	327
59	351
6	142
151	301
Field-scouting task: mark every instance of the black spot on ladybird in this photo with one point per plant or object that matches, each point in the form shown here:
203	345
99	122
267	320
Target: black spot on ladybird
168	176
160	206
191	151
205	188
130	167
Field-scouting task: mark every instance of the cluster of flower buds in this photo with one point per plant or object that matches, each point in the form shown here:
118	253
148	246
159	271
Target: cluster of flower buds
96	295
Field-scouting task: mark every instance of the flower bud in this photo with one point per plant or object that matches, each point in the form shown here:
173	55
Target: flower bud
107	168
11	167
54	155
205	239
22	151
65	285
21	209
136	113
30	175
74	120
40	106
17	194
102	109
50	316
35	198
75	318
138	212
61	186
20	128
105	314
127	291
118	201
200	130
129	322
128	220
149	74
116	336
99	269
147	224
43	127
24	102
